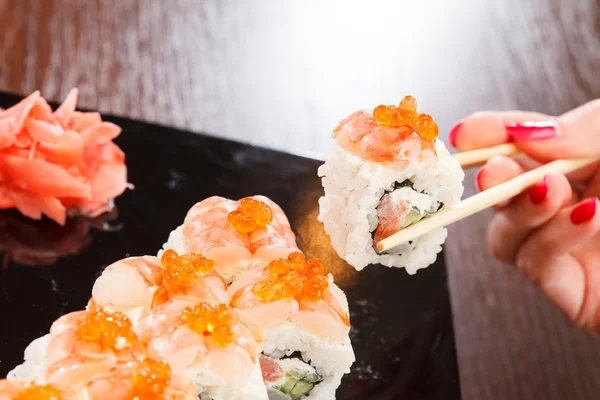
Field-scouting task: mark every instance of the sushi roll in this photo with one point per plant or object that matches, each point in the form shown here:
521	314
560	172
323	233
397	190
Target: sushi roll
170	299
236	235
215	346
304	316
388	172
80	346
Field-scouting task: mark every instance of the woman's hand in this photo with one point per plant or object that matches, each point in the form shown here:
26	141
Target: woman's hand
552	232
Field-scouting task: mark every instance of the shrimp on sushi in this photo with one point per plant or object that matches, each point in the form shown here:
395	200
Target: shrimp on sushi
146	379
86	343
214	345
136	284
236	235
305	320
16	389
80	345
389	171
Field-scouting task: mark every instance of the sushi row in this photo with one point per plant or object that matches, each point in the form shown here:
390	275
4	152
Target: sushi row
230	309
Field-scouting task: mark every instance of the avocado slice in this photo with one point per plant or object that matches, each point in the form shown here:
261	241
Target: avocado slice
301	388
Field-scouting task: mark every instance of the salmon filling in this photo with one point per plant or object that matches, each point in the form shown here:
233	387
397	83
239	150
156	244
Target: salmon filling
399	208
289	377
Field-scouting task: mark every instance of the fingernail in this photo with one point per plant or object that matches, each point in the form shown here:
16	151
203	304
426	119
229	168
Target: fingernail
478	179
453	133
584	211
538	130
539	192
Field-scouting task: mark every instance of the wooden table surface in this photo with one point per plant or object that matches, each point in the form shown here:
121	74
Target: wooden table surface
281	73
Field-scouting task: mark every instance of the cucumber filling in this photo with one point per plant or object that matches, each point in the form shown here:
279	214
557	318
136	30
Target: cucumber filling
298	380
422	205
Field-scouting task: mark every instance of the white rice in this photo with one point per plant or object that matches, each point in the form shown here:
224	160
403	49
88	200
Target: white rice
211	386
34	366
353	189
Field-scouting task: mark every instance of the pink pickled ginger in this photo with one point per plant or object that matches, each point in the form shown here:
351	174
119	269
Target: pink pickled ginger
58	163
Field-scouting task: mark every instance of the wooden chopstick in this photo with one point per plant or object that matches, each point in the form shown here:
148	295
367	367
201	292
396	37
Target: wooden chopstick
475	158
481	201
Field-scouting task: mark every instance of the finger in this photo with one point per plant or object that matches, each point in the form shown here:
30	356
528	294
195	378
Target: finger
496	171
488	128
572	283
575	134
512	225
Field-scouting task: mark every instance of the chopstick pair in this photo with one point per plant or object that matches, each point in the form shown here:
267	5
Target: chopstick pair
485	199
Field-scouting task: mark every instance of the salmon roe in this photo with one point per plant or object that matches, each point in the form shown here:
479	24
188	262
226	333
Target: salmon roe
293	277
406	115
180	270
33	391
151	379
214	322
110	329
250	215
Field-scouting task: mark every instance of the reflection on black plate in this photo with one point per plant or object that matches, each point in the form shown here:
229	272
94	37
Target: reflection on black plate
36	243
401	325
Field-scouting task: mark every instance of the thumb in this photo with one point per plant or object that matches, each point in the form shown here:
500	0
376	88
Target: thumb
575	134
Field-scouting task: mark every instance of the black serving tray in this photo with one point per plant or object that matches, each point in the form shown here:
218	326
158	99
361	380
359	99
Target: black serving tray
401	325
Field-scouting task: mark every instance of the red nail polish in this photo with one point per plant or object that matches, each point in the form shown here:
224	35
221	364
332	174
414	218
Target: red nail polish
539	192
452	134
584	211
542	130
478	180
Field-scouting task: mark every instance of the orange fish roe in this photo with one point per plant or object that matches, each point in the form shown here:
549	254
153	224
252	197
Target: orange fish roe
110	329
250	215
33	391
150	380
406	115
180	270
293	277
215	322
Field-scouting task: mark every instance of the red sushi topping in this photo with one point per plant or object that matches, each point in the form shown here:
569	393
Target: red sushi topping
33	391
405	114
109	329
214	322
181	270
151	379
252	214
293	277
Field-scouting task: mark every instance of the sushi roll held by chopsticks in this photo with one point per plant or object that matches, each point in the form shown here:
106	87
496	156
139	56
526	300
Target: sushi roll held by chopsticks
391	187
388	172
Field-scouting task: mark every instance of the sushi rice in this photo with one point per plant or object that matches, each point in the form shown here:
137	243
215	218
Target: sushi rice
354	188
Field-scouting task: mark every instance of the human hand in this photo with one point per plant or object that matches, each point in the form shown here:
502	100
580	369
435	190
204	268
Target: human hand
551	232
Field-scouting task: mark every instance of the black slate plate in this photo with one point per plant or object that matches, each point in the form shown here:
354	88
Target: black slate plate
401	325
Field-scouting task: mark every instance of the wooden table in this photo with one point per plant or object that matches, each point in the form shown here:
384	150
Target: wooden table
281	73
